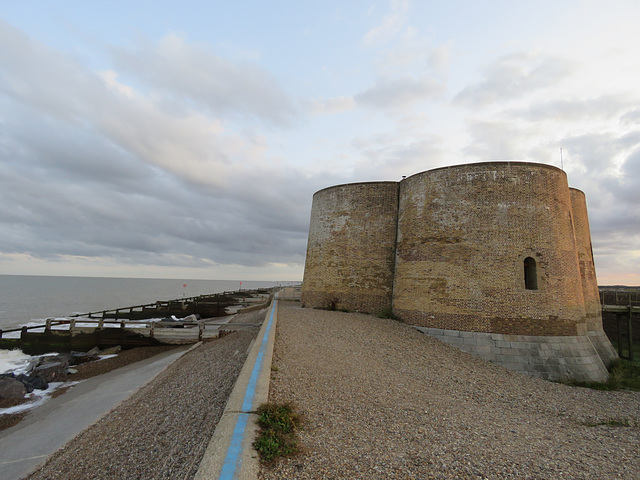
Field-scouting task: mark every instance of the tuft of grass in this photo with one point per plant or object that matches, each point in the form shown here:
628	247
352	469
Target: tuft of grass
387	313
623	375
612	422
277	438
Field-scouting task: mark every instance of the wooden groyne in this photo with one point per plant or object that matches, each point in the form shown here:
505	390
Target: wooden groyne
127	326
207	306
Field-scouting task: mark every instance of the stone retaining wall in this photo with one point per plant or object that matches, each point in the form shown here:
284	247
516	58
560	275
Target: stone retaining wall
547	357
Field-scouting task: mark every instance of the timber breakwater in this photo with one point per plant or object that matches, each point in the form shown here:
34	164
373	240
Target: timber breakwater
178	321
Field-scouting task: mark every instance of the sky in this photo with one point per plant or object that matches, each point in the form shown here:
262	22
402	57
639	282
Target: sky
167	139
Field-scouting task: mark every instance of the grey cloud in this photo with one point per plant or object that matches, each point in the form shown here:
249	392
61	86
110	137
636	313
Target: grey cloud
440	58
494	140
627	190
48	219
39	142
612	195
631	117
195	73
88	171
400	92
597	151
188	143
604	107
390	158
514	76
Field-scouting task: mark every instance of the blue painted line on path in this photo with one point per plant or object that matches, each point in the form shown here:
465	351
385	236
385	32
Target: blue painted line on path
233	460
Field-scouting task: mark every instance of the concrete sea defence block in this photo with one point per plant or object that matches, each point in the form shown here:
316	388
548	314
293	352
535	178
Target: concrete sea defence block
550	358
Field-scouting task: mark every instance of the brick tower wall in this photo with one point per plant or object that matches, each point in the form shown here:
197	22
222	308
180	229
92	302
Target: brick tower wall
585	258
350	254
464	233
590	291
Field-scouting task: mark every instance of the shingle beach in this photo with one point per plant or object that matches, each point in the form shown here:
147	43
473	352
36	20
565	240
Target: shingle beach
162	431
382	400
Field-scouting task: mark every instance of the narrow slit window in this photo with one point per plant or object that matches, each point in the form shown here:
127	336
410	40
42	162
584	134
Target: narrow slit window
530	274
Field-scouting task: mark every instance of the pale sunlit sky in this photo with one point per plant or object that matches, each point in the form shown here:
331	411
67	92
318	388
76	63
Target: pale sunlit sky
186	139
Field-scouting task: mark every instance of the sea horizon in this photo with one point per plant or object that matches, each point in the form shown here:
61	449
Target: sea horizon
28	298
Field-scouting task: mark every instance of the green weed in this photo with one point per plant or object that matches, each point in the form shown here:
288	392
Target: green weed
387	313
277	437
612	422
623	375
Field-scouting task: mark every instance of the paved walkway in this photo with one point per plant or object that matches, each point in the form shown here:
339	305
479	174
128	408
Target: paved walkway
50	426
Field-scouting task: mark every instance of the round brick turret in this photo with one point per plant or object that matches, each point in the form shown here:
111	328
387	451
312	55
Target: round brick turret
590	292
466	236
350	254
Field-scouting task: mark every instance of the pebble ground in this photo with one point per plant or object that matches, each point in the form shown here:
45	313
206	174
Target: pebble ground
162	431
381	400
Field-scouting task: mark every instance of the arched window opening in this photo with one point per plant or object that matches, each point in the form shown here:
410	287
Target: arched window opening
530	274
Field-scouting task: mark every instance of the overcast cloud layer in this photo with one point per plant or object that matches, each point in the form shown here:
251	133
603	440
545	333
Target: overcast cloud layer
187	141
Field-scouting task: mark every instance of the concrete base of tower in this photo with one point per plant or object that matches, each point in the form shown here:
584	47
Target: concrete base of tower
603	346
551	358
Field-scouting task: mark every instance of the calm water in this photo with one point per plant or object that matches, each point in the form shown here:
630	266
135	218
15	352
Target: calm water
24	298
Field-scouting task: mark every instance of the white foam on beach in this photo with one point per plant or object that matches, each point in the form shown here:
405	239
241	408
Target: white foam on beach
36	398
15	361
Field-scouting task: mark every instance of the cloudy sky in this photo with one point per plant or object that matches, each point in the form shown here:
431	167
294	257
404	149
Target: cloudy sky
185	139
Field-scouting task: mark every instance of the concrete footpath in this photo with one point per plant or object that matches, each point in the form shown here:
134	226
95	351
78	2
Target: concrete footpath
230	454
49	427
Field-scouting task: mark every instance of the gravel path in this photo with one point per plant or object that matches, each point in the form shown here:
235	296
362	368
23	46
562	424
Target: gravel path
382	400
162	431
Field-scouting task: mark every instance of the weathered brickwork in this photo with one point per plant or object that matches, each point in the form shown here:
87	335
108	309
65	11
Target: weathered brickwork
585	258
499	248
350	254
588	277
464	234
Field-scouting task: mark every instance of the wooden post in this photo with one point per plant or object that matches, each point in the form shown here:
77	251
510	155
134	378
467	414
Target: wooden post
47	327
619	331
0	334
101	323
630	331
200	330
23	333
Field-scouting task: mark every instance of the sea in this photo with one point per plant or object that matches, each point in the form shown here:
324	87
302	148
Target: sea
30	299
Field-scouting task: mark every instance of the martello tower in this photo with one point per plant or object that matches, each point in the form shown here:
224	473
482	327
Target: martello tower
494	258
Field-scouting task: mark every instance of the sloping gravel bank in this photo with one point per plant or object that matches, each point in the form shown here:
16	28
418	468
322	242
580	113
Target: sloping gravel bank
162	431
383	401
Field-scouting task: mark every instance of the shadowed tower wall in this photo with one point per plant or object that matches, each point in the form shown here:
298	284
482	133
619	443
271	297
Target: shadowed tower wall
585	260
590	291
465	234
350	253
